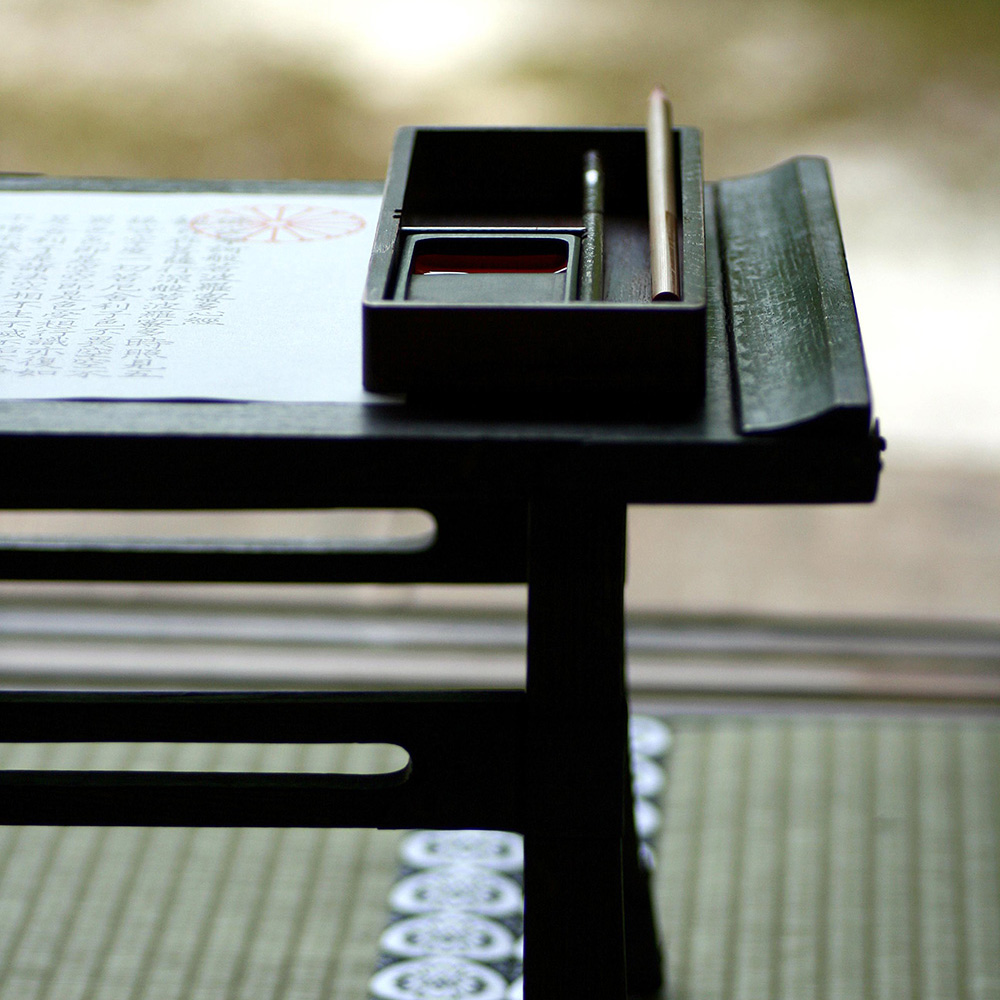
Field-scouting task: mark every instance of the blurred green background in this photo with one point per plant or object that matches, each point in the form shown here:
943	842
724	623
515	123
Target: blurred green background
900	95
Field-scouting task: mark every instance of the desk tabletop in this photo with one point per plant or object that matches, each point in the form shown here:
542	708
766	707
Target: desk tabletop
189	455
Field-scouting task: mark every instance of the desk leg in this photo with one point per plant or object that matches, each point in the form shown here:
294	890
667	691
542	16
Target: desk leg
577	716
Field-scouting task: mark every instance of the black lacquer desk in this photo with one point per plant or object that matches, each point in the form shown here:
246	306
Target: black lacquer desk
516	499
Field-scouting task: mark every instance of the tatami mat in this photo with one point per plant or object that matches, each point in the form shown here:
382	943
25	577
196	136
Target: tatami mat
834	858
138	914
826	857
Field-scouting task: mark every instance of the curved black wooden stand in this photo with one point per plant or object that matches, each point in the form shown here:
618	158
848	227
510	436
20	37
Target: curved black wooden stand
517	499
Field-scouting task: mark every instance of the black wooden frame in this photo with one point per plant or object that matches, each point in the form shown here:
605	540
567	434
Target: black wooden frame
539	498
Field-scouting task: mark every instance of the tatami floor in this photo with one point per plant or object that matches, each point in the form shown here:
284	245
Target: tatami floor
802	855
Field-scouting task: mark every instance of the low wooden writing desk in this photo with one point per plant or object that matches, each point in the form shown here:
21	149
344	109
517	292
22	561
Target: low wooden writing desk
516	499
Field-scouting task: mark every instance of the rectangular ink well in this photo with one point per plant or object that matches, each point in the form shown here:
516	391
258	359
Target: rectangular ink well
475	283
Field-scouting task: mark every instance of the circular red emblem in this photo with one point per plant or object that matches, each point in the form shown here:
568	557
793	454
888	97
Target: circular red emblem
276	224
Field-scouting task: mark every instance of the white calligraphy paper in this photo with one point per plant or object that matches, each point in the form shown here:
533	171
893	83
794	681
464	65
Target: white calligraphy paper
121	295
